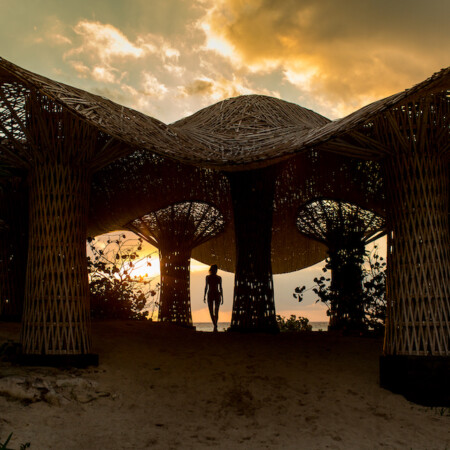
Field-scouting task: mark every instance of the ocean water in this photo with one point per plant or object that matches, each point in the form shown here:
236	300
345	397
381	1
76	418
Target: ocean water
222	326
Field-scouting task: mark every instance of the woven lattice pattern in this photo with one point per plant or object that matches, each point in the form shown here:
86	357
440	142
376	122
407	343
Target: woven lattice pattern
248	128
175	231
56	315
328	220
224	135
253	300
13	246
419	243
418	258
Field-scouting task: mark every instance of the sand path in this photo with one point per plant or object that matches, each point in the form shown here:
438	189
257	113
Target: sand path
163	388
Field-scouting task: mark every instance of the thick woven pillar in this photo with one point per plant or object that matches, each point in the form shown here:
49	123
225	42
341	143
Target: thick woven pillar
346	259
253	304
416	358
13	248
418	257
56	313
175	299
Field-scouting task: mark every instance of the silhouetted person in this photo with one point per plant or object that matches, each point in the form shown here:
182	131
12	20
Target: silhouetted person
214	290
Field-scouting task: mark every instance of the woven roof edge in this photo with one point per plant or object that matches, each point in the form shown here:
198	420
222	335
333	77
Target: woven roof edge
437	82
125	124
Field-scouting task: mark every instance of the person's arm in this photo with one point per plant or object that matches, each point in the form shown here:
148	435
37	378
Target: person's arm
206	289
221	290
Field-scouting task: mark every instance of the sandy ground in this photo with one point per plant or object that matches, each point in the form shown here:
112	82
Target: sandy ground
163	388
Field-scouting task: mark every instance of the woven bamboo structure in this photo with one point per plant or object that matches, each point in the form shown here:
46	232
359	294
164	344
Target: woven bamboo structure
403	132
253	303
13	246
242	133
60	151
175	231
345	229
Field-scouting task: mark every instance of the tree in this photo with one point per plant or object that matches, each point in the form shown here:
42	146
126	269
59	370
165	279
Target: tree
117	290
359	309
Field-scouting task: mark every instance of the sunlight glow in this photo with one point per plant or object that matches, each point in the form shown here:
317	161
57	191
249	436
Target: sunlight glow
217	43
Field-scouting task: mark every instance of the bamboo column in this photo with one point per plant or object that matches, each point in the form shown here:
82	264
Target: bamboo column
13	248
175	231
416	359
253	304
56	315
418	257
175	296
56	148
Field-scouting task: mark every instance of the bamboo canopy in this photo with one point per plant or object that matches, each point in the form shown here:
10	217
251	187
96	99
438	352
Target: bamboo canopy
327	220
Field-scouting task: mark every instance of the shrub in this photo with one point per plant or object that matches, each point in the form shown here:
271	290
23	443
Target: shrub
294	323
116	292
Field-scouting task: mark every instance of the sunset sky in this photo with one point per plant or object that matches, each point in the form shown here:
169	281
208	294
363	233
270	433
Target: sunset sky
169	58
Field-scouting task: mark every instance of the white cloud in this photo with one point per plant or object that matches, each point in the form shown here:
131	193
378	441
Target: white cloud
105	41
152	86
104	74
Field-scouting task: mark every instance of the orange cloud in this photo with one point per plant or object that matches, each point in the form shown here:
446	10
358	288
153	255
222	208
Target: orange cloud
344	54
221	88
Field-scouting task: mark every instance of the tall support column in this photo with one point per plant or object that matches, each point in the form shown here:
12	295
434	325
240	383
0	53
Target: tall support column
346	260
56	320
253	304
416	359
175	299
13	249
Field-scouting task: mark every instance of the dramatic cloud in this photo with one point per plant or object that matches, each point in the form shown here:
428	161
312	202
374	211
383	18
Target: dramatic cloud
344	54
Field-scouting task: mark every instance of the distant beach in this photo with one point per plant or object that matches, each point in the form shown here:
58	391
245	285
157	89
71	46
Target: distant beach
222	326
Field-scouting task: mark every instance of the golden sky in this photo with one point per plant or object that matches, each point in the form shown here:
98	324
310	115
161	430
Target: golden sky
169	58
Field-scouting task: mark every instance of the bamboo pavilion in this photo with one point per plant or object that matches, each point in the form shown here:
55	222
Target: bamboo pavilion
62	136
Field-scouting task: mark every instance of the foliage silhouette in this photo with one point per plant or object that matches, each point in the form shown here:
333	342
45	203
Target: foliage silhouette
116	291
362	309
3	446
294	323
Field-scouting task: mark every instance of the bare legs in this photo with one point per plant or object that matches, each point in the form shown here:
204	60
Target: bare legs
214	311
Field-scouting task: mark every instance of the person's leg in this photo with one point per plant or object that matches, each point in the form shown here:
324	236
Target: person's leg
216	311
211	310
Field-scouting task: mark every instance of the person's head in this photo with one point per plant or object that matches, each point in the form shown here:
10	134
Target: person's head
213	269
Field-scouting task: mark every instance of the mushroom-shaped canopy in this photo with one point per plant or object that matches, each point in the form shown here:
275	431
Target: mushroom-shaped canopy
183	225
247	131
329	221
